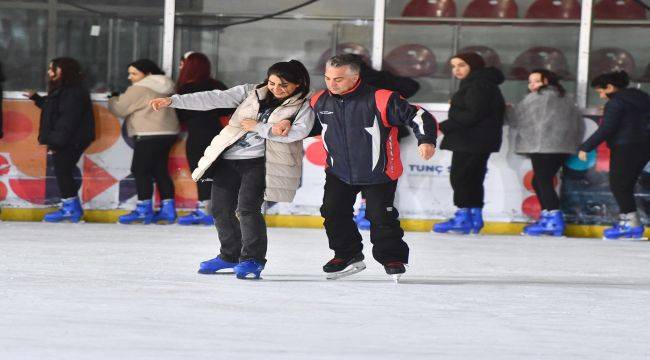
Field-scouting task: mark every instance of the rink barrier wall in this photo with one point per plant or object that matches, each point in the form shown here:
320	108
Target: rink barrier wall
315	222
28	187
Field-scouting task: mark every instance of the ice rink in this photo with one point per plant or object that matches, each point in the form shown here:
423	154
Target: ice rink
104	291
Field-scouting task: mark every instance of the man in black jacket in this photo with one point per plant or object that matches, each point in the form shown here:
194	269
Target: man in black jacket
360	136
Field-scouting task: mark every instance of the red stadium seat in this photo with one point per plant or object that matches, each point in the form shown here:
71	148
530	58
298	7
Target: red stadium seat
554	9
501	9
619	9
343	48
429	8
411	60
540	57
611	59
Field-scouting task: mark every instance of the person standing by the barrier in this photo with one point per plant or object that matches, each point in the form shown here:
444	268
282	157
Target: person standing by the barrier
360	137
472	132
154	133
202	126
254	160
549	127
625	125
2	79
67	127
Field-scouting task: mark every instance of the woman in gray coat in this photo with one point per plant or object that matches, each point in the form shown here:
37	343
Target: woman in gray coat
548	127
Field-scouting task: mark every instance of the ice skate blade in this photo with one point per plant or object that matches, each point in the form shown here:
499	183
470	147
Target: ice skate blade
249	276
229	271
396	278
350	270
543	236
626	239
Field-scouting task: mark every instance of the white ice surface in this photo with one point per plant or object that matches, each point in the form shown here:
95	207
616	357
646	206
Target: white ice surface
104	291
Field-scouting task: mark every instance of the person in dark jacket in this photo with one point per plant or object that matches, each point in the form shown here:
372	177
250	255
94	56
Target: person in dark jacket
202	126
67	127
2	79
625	129
360	136
472	132
404	86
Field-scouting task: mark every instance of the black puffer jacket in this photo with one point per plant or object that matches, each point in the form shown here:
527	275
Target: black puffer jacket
66	118
2	79
475	122
625	120
202	124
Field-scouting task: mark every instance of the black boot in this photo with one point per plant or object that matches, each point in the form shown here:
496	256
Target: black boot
339	264
395	267
338	267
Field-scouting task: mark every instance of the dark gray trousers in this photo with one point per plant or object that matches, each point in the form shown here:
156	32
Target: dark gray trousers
237	196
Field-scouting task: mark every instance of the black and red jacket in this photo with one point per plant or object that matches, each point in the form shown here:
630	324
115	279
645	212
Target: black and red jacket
360	132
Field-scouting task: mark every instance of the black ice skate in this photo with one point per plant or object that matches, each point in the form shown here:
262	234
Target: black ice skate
395	269
338	268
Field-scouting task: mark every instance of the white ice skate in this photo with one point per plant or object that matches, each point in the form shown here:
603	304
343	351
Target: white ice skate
349	270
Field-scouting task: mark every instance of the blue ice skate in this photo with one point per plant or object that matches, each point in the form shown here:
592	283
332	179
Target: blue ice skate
143	213
360	218
248	269
461	223
623	230
70	211
196	217
477	219
550	223
167	212
216	265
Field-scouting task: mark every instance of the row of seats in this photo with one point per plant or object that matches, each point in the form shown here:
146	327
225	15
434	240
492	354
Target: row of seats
540	9
414	60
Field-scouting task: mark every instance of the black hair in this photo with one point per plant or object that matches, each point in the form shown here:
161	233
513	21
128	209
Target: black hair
552	79
292	71
618	79
71	74
147	67
354	62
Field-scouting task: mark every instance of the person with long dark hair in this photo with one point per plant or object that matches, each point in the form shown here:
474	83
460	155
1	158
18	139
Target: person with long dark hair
625	128
549	128
472	131
202	126
154	134
67	127
255	159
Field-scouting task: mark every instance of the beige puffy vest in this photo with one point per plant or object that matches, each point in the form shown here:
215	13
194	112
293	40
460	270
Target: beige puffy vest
283	161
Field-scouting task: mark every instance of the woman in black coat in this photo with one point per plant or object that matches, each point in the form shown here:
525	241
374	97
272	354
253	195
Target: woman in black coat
2	79
67	127
625	126
202	127
472	132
